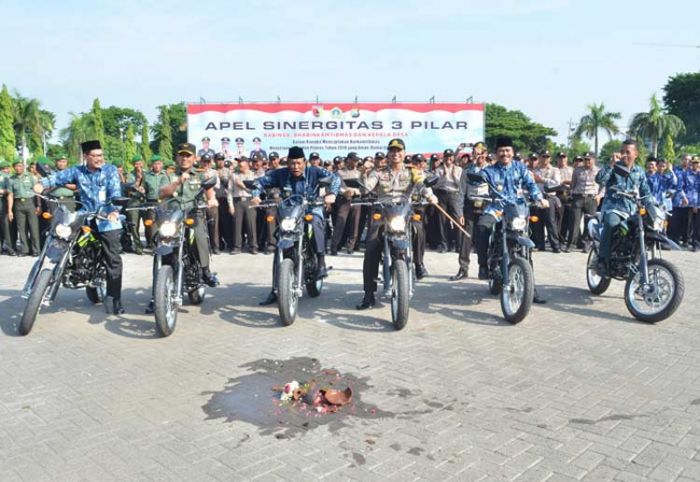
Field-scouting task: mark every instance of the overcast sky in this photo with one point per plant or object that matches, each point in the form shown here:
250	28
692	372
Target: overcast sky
548	58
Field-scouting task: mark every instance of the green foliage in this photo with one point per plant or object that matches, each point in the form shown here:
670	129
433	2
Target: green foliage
27	121
526	134
178	121
163	133
682	98
652	126
98	126
578	147
668	152
129	147
146	151
595	120
118	119
8	141
606	152
78	131
113	148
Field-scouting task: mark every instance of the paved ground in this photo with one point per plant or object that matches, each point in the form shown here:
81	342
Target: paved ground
579	390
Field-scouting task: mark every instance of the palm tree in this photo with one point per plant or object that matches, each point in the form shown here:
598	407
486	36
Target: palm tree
597	119
27	120
77	132
655	125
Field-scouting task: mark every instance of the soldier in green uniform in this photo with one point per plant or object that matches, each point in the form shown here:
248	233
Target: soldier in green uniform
185	187
153	180
136	192
64	194
6	244
22	206
170	169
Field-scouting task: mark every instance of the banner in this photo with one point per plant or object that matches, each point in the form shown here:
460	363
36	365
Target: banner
333	129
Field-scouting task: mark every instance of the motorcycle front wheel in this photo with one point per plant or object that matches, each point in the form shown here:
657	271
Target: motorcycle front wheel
661	298
36	298
596	283
400	294
165	308
516	297
288	299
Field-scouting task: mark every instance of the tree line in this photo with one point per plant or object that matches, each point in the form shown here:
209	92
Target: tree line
670	125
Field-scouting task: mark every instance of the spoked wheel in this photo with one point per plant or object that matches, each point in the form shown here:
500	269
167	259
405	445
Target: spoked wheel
288	298
399	294
516	298
165	307
661	298
596	283
34	302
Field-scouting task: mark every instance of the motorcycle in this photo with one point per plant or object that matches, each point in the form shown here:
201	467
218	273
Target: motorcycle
654	287
510	255
176	265
295	264
72	257
398	269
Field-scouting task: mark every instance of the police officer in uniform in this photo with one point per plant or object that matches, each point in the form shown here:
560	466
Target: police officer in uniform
395	180
223	172
418	221
206	150
585	197
344	211
473	208
23	206
238	202
185	187
564	195
153	180
547	176
447	190
6	244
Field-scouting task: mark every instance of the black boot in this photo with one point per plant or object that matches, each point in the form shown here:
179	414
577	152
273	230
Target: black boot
483	272
117	307
270	300
461	274
322	270
367	302
151	308
421	271
209	278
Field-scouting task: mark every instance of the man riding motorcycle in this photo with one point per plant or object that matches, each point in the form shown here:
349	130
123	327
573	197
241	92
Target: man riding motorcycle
508	178
616	208
394	180
301	179
98	184
185	186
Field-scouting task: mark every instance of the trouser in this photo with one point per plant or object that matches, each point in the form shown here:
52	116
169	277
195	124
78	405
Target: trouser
564	219
346	215
201	239
547	220
611	221
133	219
149	214
111	247
680	220
244	215
483	231
266	229
213	226
450	202
225	224
695	216
24	211
318	227
580	205
418	233
5	227
471	217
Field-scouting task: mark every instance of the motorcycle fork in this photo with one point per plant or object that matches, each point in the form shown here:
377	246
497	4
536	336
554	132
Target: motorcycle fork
36	268
643	266
505	259
180	274
157	263
299	264
387	261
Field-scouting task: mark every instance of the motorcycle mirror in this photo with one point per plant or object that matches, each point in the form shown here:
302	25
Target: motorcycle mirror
43	169
431	181
621	170
208	183
325	181
121	201
249	184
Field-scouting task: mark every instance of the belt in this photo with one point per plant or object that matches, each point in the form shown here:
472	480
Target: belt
242	198
22	199
152	200
584	195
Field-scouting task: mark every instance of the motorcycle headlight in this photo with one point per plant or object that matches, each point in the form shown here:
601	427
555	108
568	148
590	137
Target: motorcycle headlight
168	229
288	224
64	231
519	223
659	224
397	224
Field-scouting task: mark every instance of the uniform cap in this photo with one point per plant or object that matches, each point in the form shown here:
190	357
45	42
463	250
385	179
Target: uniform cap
397	144
186	148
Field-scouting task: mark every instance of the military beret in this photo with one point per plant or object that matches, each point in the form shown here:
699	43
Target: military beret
168	163
43	160
352	156
4	164
16	161
156	157
118	162
418	158
136	158
337	159
256	156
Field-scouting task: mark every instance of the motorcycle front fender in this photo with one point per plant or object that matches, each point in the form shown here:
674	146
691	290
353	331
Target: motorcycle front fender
163	250
56	250
398	243
285	243
663	239
525	241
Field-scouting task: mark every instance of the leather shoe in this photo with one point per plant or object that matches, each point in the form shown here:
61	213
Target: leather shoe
538	300
151	308
368	302
483	272
334	252
461	274
322	272
556	250
209	278
117	307
421	271
270	300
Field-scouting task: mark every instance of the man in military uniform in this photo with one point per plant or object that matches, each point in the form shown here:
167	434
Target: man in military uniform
153	180
206	168
170	169
244	214
206	150
185	187
302	180
613	203
23	206
396	180
225	234
6	244
98	184
585	197
547	177
344	210
472	208
64	194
